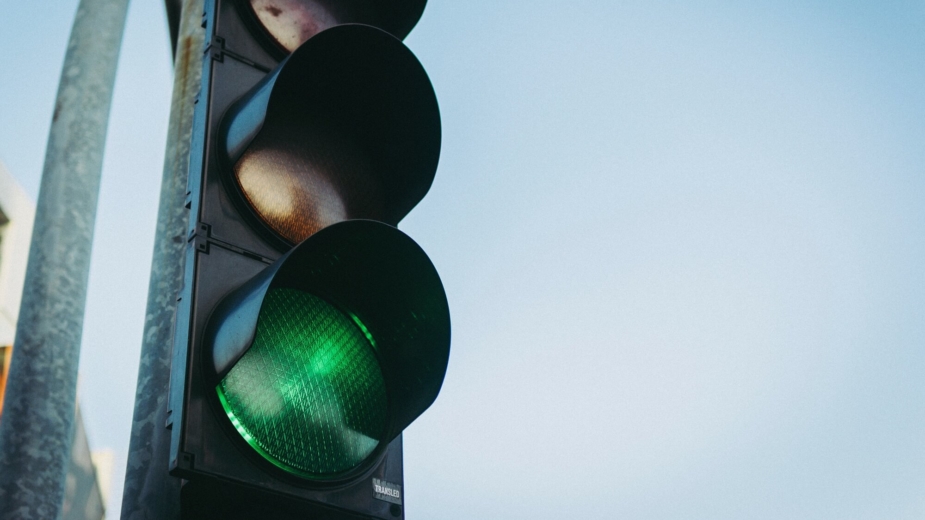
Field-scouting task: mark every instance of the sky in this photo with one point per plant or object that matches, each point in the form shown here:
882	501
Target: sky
682	244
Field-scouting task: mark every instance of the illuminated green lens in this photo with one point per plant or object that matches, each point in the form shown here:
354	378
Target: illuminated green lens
309	394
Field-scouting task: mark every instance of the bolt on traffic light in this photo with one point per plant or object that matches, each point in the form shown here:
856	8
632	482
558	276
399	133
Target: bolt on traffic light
310	332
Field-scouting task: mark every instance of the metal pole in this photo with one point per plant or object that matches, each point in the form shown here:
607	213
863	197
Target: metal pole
38	413
149	492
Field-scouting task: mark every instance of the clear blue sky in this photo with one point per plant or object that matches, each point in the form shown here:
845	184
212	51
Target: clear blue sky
682	242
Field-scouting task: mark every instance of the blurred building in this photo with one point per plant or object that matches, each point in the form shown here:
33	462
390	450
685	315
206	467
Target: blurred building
89	473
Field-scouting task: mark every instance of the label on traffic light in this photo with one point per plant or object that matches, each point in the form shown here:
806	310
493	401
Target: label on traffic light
387	491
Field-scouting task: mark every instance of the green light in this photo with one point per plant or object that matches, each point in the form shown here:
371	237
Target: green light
309	394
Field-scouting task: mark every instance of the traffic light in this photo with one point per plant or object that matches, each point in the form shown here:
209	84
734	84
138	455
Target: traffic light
310	331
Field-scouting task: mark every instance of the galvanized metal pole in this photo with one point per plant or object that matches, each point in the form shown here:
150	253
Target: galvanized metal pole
38	412
150	493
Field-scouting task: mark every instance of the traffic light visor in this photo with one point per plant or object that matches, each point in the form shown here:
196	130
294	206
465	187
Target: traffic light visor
347	127
327	355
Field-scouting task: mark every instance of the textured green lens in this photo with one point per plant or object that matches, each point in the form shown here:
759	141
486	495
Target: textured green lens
309	394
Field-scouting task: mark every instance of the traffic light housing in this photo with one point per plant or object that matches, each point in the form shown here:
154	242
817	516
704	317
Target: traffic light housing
310	332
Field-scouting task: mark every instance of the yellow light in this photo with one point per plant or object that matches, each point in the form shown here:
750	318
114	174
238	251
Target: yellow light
306	181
